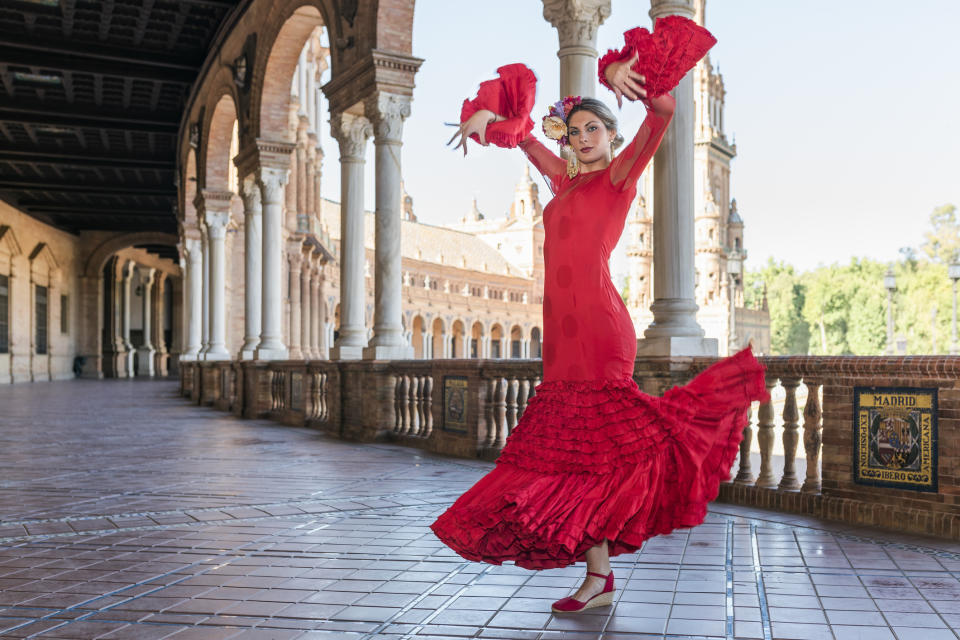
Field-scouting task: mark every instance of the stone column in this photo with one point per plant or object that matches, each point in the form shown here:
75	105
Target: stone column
271	347
216	216
674	330
160	353
576	22
205	286
145	351
306	310
295	266
193	298
252	266
389	111
114	361
316	314
351	132
125	319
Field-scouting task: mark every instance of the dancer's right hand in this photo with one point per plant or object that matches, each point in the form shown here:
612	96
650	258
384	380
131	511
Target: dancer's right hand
477	123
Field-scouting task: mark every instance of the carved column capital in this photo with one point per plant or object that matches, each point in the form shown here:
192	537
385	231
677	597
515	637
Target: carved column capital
351	132
661	8
388	111
576	20
251	196
191	246
272	181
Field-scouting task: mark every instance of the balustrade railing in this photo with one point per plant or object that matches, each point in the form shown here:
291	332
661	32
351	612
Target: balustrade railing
796	453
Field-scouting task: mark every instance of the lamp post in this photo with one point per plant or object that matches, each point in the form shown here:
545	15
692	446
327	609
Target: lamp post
890	283
954	272
734	269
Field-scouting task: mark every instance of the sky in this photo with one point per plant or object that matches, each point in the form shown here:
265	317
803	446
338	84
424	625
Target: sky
846	116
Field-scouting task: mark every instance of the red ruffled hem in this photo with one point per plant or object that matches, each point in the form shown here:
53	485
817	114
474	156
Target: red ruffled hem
664	56
512	96
595	460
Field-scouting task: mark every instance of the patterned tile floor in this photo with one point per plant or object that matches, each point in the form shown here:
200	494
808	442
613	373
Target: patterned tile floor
126	512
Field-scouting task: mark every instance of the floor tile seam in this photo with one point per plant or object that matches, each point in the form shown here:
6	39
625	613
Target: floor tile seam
148	514
761	588
443	607
728	596
881	542
138	596
28	539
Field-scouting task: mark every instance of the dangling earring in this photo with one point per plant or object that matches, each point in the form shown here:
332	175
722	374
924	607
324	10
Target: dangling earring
573	165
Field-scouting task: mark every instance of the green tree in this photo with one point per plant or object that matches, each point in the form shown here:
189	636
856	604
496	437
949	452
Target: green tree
789	331
942	242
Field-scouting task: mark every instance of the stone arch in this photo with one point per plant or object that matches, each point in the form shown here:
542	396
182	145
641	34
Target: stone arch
98	257
216	147
291	23
189	191
438	329
417	328
496	340
515	348
535	342
477	332
457	335
392	22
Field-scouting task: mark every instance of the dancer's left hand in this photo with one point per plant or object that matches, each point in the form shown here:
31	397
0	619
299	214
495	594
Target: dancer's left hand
625	81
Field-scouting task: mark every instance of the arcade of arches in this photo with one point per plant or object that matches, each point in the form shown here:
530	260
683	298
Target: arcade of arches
218	244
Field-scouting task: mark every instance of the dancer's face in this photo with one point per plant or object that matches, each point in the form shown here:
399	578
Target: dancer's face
589	137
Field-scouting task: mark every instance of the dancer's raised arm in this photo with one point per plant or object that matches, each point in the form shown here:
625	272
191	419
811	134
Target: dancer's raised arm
626	168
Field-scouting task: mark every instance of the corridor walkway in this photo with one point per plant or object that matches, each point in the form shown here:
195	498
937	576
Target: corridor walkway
126	512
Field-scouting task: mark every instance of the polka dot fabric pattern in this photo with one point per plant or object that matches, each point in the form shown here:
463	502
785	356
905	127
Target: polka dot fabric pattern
593	457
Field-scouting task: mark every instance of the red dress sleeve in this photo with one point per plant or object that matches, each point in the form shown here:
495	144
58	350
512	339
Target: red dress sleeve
551	166
512	96
664	56
625	169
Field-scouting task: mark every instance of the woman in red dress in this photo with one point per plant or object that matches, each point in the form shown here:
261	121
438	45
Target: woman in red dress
595	466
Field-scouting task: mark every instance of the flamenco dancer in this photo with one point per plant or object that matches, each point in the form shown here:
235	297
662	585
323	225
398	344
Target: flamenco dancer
595	466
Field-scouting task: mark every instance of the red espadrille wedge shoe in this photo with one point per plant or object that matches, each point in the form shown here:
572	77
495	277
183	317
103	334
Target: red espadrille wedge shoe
602	599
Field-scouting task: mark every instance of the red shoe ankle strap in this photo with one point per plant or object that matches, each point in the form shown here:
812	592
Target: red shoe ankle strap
599	575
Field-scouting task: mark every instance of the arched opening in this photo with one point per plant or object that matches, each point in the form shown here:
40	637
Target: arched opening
496	341
438	331
535	347
516	342
476	339
281	69
416	338
457	336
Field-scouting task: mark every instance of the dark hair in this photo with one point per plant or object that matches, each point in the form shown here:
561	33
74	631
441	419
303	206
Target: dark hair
603	112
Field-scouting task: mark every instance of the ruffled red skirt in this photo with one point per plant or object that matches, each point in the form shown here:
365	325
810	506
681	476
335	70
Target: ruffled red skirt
595	460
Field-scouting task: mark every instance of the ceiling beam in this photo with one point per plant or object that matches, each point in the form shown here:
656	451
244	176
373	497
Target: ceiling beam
38	56
86	160
102	210
101	189
75	116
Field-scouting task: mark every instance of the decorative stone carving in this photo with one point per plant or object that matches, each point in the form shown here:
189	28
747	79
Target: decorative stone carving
272	181
352	132
576	20
388	111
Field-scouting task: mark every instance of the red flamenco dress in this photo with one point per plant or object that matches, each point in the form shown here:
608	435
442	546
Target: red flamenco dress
592	456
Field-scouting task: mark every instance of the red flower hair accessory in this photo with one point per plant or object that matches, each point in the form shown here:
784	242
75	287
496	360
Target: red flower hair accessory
555	122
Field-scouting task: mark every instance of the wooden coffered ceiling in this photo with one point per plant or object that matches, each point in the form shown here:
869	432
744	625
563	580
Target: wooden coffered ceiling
90	104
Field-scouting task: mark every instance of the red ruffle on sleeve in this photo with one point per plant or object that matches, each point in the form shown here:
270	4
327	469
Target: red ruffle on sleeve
512	96
664	56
